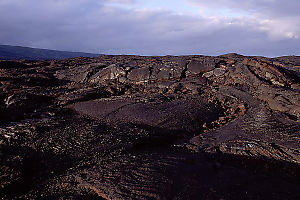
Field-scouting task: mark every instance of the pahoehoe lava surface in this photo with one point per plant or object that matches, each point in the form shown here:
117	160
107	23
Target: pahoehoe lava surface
134	127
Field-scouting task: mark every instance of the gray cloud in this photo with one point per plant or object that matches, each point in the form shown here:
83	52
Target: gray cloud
122	1
98	26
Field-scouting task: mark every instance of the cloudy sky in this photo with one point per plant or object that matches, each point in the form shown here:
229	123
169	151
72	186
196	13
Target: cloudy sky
154	27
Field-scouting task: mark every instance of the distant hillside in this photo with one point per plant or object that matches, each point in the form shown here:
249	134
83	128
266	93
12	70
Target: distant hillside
8	52
295	60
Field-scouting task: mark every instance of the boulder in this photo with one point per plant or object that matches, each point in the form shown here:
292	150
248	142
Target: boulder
208	74
111	72
79	74
219	71
197	67
139	75
164	74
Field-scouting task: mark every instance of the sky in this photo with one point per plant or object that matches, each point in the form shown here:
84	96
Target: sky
154	27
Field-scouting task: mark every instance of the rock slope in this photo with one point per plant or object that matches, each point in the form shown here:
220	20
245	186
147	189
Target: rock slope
134	127
8	52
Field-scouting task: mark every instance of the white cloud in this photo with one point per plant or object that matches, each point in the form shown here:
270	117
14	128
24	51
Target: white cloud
278	18
269	7
279	29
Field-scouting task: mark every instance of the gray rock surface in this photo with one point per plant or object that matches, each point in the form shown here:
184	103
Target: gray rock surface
139	75
198	66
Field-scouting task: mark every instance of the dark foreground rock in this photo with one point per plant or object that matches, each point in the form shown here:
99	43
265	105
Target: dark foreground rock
133	127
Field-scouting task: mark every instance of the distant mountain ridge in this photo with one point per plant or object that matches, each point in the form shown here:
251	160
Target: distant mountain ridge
8	52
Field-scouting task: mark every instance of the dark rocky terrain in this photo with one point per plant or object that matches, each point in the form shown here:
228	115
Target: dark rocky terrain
133	127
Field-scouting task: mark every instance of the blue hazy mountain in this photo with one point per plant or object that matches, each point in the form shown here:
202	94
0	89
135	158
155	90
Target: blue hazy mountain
8	52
